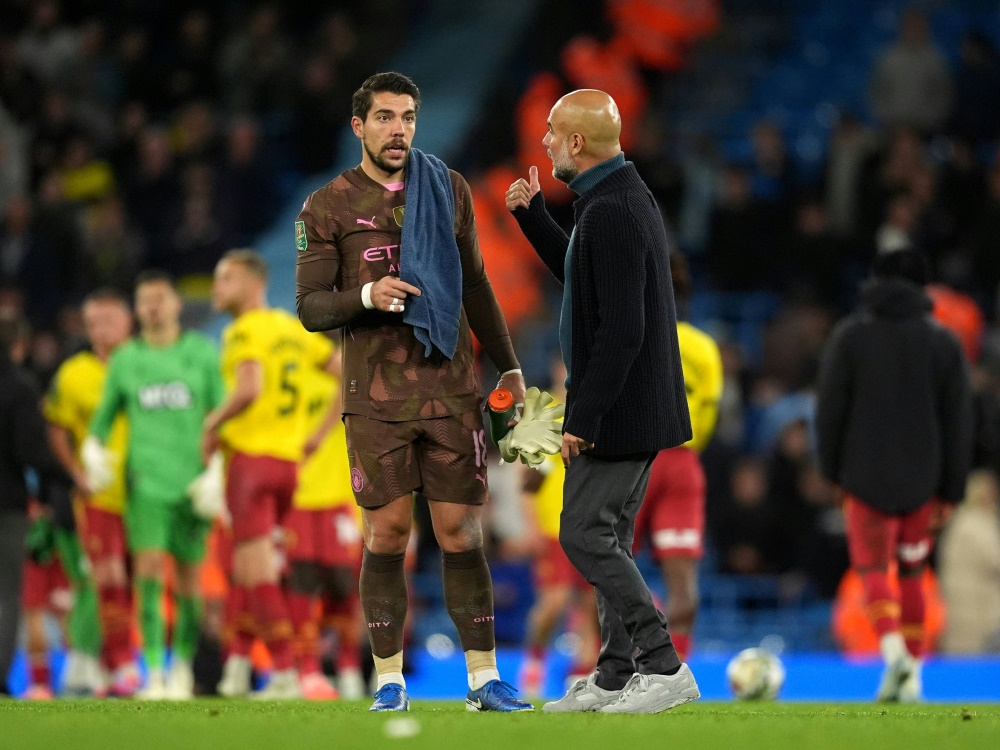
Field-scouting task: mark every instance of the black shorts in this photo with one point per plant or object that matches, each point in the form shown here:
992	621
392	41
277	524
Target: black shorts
443	458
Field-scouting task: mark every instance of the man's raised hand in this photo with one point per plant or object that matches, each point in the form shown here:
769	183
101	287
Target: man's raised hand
521	192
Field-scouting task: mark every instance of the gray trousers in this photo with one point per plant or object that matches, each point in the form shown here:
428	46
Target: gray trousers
601	499
13	527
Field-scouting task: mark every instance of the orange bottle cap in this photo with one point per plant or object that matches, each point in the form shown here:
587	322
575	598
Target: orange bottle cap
500	400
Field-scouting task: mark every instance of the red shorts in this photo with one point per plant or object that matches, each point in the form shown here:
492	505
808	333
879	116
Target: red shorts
329	537
259	493
672	517
876	539
553	568
102	534
46	586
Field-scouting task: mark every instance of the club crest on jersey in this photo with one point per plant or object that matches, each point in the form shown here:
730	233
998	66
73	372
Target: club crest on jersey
398	213
301	243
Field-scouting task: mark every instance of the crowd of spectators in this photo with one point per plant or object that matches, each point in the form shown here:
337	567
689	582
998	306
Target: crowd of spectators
161	133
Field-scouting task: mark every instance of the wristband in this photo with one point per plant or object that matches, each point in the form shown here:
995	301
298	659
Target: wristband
515	371
366	296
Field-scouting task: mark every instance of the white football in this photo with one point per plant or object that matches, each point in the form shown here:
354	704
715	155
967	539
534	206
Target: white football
755	675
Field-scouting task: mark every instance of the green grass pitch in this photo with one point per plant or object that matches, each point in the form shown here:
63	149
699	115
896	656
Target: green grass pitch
220	725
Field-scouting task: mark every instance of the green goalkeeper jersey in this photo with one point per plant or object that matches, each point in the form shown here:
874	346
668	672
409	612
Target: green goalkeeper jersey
165	392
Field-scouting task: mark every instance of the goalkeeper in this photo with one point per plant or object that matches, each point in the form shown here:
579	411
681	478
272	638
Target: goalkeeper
165	381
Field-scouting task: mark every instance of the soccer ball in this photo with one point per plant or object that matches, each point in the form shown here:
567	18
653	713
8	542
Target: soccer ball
755	675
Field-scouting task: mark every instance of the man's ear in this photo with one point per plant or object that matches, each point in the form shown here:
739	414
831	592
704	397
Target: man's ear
575	144
357	126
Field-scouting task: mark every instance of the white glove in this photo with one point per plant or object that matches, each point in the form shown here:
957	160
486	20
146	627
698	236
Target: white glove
537	433
99	464
207	492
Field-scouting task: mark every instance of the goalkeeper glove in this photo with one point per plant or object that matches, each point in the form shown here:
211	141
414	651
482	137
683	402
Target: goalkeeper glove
537	433
98	464
207	492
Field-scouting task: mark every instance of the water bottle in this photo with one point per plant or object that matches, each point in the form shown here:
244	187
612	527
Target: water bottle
501	407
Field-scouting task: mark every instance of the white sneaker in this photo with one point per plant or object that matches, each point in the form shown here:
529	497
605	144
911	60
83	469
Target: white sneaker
283	686
912	689
155	688
894	676
180	685
81	675
236	675
351	684
583	695
653	693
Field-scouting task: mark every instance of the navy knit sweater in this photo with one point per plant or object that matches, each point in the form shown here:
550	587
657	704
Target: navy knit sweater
626	393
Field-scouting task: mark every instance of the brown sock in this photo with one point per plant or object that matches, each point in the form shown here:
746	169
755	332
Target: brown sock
383	598
468	595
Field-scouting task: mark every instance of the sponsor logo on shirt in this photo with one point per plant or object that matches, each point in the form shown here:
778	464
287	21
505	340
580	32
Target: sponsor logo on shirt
173	396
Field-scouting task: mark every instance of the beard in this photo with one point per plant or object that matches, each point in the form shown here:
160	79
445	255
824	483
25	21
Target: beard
565	174
382	163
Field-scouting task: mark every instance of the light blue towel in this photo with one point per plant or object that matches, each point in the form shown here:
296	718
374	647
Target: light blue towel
429	257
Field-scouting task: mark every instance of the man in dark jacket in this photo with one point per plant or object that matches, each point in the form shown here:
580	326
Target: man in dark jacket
895	429
626	399
23	445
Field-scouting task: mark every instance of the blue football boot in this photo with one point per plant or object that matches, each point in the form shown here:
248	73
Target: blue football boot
391	697
496	696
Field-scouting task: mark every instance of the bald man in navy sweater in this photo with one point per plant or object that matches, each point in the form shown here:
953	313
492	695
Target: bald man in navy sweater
626	398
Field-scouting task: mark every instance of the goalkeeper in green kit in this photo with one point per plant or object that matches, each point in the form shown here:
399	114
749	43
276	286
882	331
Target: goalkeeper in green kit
165	381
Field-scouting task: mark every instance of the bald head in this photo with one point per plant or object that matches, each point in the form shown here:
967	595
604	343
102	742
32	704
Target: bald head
584	130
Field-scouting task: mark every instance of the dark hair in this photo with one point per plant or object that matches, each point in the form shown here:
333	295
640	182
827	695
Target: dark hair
155	276
383	83
107	294
911	265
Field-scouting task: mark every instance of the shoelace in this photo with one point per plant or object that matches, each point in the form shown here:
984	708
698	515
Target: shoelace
504	690
636	684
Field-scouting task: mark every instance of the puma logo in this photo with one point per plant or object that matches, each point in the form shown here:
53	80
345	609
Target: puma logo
481	478
367	223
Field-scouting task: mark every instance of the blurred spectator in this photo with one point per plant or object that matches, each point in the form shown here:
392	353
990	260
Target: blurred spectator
245	184
85	178
969	561
56	126
254	64
773	174
745	528
740	240
13	169
321	110
96	78
112	250
140	76
813	257
18	86
191	74
851	145
48	49
896	232
203	233
976	115
194	133
26	259
911	84
153	192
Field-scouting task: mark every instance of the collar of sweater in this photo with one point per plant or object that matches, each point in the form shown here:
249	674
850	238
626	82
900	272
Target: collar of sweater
586	181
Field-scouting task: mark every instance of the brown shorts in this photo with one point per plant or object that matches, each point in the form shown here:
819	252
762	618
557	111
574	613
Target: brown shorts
443	458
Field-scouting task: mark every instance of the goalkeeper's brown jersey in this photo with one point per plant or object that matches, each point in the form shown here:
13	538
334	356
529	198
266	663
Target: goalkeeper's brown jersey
347	234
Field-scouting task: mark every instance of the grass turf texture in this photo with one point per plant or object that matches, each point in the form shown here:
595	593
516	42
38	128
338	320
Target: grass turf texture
219	725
